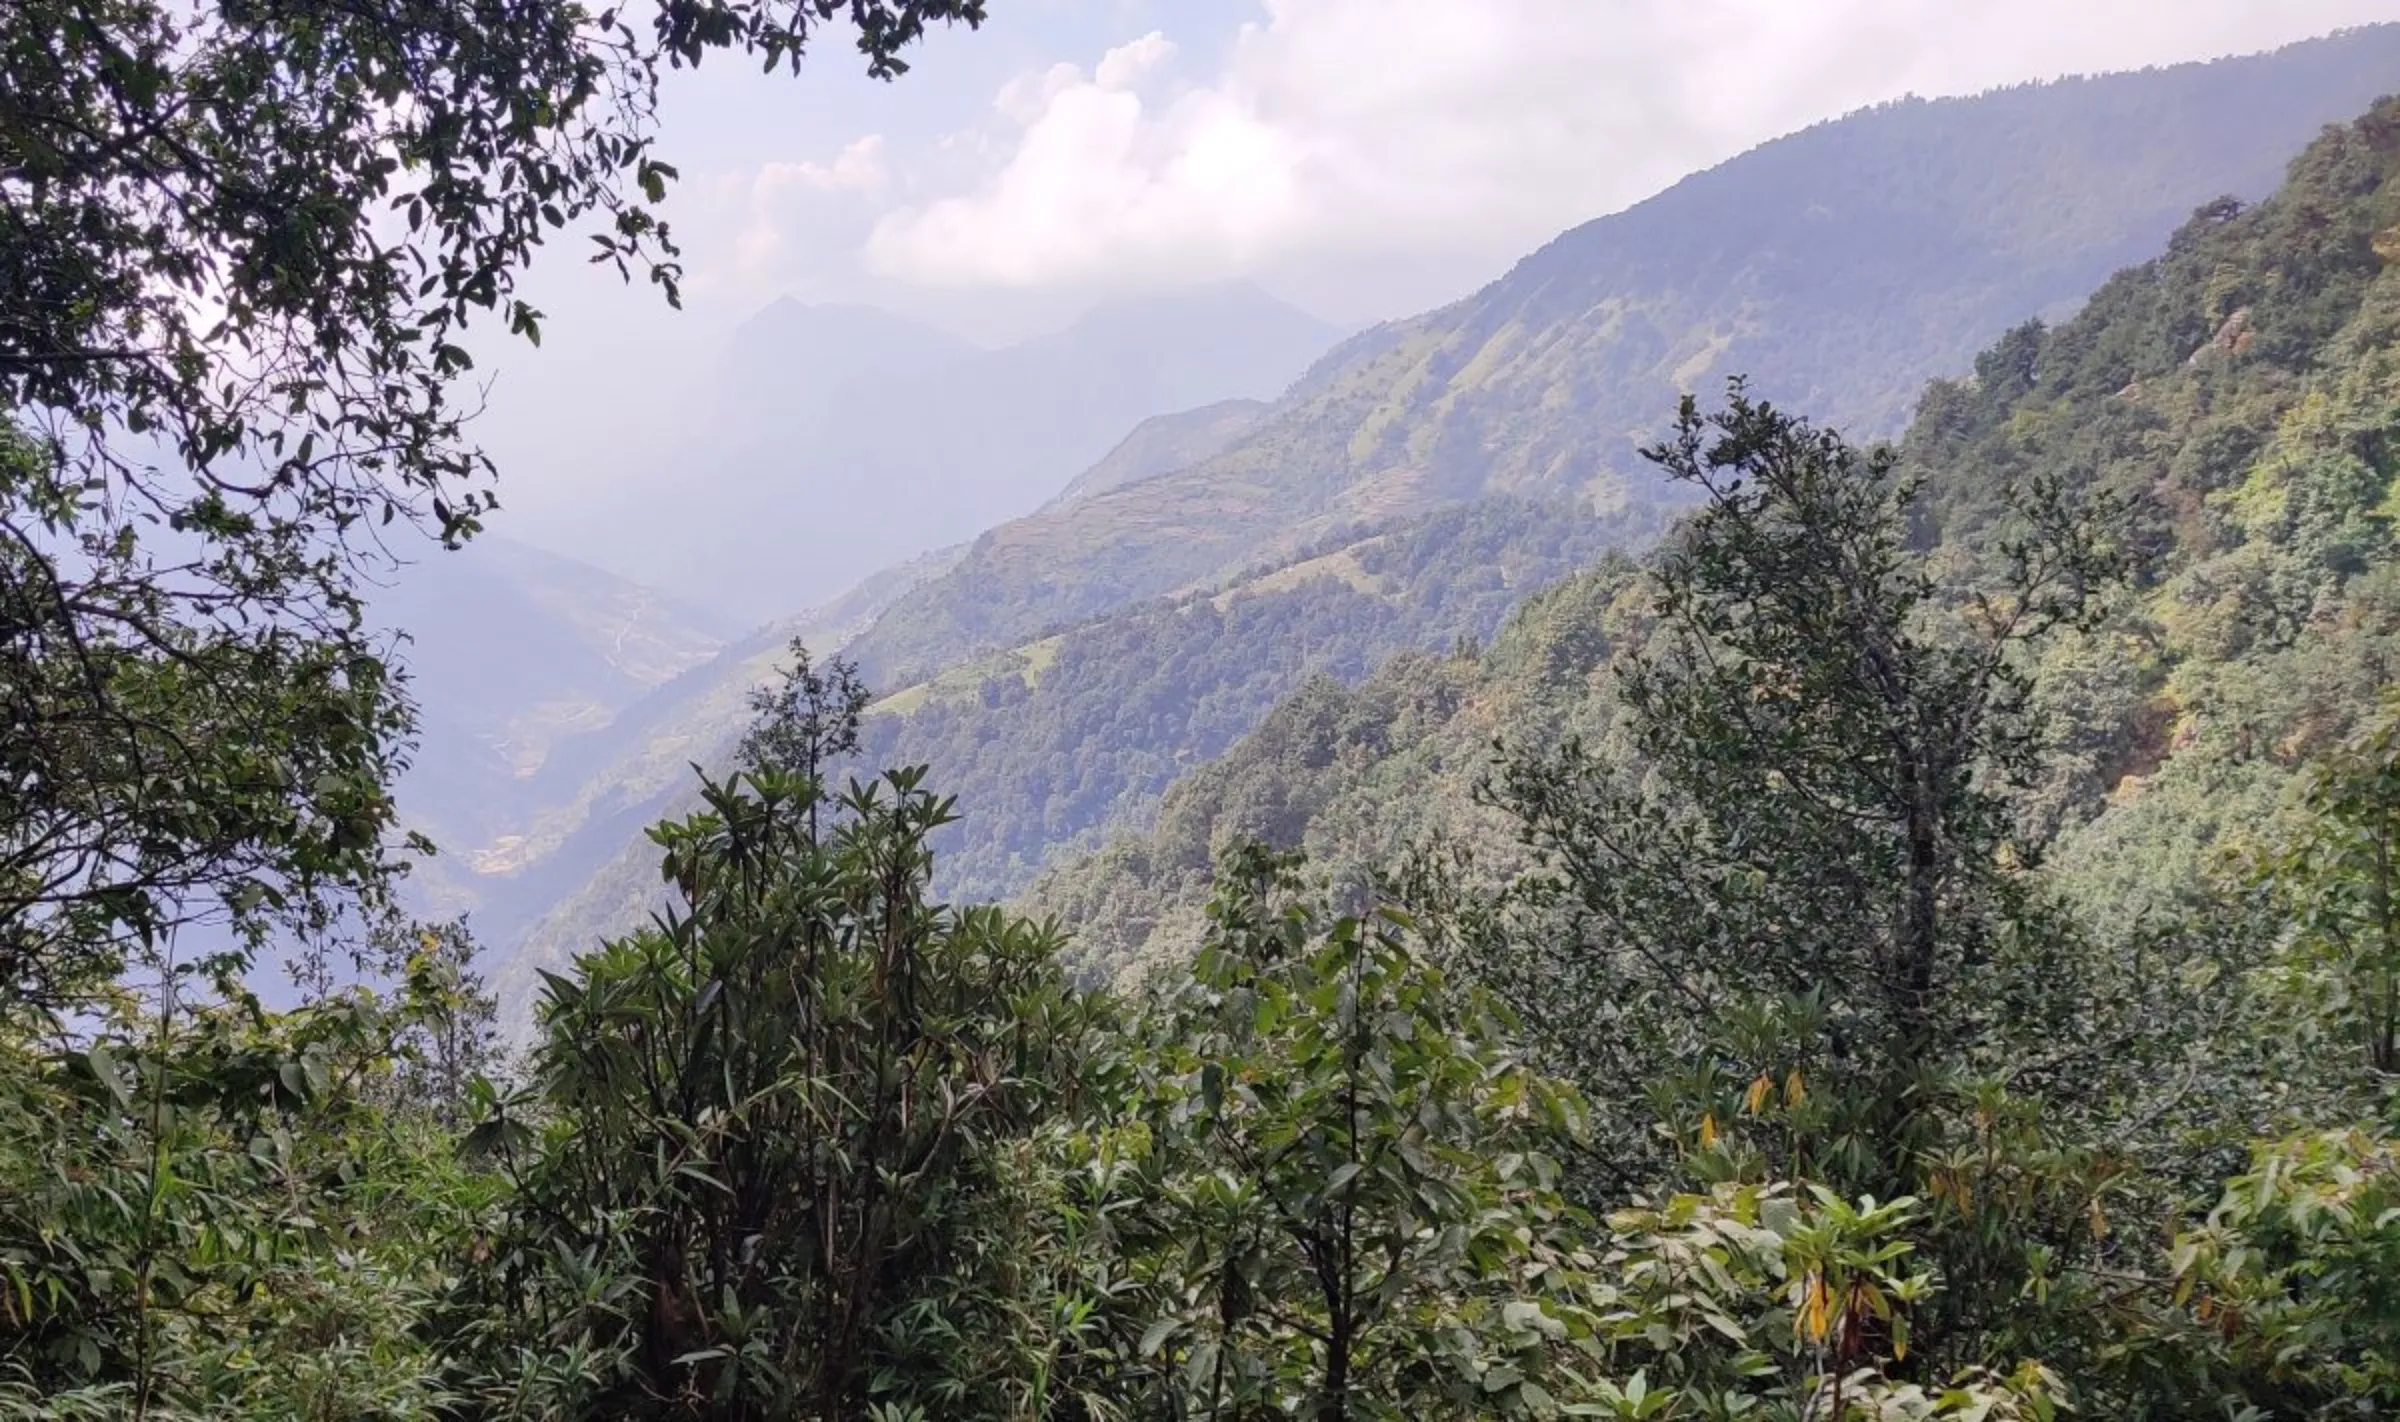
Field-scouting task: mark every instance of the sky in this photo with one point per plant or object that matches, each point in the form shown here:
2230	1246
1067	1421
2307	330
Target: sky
1363	159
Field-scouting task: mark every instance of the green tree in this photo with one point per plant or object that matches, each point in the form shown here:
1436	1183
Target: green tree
162	762
452	1039
2287	1295
241	247
1349	1207
1780	925
1811	829
808	722
1767	1301
790	1128
212	1211
2336	890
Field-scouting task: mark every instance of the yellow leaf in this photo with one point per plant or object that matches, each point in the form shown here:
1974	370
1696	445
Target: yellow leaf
1814	1311
1793	1092
1875	1300
1708	1131
1758	1094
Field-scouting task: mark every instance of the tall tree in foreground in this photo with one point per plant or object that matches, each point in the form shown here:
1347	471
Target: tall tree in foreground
785	1122
1780	927
1349	1204
1811	828
240	249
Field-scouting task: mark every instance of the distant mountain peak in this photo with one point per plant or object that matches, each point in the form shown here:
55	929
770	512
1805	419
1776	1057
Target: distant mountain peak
801	359
790	329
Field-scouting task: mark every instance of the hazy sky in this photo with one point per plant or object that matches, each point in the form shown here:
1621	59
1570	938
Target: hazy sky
1361	158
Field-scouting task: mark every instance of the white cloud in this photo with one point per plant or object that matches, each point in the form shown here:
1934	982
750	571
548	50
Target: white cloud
857	168
1028	96
766	226
1105	165
1342	130
1128	64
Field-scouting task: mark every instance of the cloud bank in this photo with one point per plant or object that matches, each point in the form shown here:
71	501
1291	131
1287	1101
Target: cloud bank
1460	131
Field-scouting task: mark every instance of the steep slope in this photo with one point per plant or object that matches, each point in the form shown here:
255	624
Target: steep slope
2241	395
1840	267
1163	444
537	833
841	440
1052	745
512	649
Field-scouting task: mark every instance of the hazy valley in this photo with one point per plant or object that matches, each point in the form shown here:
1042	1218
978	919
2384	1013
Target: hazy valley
1839	270
1787	811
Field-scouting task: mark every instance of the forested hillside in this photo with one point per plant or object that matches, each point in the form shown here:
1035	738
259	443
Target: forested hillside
1913	938
1054	745
1355	451
2240	394
1076	734
1840	268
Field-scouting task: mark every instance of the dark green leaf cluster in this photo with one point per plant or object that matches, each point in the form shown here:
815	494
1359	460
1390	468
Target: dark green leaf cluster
1349	1204
166	756
240	249
214	1211
770	1121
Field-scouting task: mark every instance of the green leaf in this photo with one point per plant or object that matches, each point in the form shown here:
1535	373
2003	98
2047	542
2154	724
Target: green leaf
1155	1336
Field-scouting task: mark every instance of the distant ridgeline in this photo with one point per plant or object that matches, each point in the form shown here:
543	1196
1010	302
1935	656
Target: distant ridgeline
1051	745
1840	268
1062	669
2240	394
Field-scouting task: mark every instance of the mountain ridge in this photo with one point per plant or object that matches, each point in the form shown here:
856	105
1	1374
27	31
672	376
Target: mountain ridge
2238	398
1163	444
1412	404
1547	380
841	440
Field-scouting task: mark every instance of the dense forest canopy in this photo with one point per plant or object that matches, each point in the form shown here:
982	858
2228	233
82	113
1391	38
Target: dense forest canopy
1917	941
